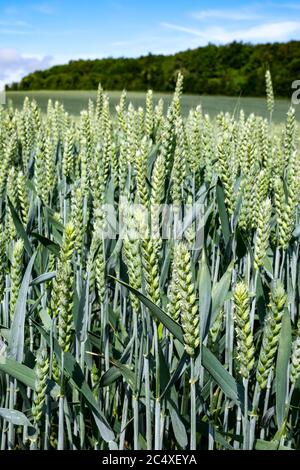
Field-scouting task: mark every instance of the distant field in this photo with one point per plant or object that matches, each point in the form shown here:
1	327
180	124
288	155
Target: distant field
75	101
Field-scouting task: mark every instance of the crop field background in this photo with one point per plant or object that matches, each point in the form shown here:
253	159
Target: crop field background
149	275
76	101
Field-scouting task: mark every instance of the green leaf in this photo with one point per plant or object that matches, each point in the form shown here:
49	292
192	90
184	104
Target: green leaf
194	213
25	375
126	372
260	444
45	317
177	425
223	212
14	417
260	299
164	372
296	232
221	440
281	379
165	267
220	292
20	228
176	374
19	371
46	242
110	191
81	312
18	419
74	372
156	312
204	294
16	339
222	377
113	445
268	266
43	278
49	215
120	370
209	361
5	332
110	376
94	339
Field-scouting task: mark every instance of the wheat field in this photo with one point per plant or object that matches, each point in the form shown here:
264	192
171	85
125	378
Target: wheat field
76	101
149	277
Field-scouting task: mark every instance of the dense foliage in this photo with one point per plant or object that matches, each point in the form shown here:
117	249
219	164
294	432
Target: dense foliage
232	69
115	333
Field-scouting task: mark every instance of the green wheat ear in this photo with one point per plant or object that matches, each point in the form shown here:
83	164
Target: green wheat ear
61	303
149	121
245	343
141	169
22	197
271	333
42	371
217	327
132	256
295	359
65	301
77	214
16	274
187	298
262	233
269	92
149	257
157	194
99	260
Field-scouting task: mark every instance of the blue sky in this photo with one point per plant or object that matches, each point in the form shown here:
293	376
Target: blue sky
37	34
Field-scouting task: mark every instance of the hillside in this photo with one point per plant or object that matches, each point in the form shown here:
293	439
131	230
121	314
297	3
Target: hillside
233	69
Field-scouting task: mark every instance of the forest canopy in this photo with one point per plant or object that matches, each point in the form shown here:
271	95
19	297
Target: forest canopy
231	69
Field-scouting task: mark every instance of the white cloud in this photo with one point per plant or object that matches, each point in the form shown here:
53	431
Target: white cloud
234	15
14	66
184	29
277	31
269	31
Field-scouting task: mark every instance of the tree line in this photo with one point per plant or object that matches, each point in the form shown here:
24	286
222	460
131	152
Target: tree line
232	69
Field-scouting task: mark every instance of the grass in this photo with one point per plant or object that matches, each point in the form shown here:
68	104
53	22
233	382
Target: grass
76	101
